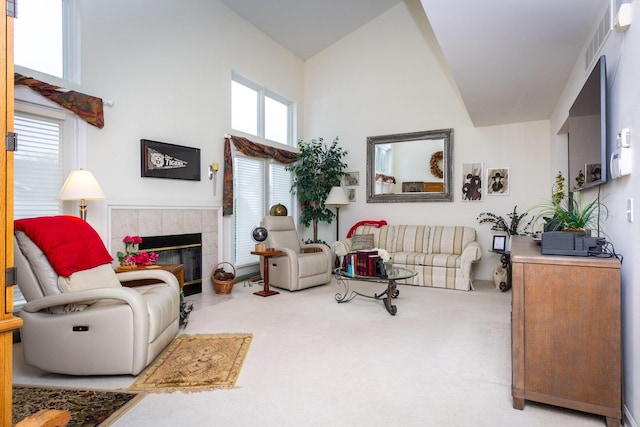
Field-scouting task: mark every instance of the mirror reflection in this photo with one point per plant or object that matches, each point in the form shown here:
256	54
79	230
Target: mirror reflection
412	167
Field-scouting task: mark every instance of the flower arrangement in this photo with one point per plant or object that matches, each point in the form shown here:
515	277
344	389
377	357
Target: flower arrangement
132	256
384	255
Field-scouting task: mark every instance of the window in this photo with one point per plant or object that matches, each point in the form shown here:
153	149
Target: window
38	171
38	36
259	184
46	36
258	111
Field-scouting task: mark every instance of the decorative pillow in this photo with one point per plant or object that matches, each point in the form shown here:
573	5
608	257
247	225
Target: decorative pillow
102	276
361	242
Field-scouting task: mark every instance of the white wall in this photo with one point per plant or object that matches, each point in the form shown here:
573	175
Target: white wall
389	77
623	68
167	67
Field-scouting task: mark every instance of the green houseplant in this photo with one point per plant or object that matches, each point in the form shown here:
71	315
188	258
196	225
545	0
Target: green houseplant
319	167
569	212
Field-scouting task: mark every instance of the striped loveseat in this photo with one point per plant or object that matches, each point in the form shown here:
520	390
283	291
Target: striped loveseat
443	256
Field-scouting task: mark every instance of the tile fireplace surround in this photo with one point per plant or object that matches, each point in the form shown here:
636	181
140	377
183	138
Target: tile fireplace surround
164	220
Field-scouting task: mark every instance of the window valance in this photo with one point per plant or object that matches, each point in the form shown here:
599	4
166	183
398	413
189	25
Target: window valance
87	107
251	149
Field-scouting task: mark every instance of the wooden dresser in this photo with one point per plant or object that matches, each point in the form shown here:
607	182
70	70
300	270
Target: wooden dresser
566	331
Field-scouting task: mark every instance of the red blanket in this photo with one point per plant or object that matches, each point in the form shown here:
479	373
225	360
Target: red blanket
69	242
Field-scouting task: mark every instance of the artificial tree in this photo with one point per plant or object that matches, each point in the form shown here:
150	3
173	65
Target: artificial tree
319	167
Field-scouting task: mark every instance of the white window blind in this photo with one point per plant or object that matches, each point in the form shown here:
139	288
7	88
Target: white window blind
248	175
259	184
38	168
280	186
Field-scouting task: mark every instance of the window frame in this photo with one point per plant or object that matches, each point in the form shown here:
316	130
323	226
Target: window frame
263	93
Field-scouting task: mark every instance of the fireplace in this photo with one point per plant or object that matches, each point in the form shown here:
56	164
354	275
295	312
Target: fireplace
185	249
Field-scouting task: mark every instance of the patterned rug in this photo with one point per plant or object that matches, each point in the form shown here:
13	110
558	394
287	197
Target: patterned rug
88	407
195	363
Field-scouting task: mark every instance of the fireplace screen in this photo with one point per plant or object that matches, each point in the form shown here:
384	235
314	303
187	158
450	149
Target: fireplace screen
185	249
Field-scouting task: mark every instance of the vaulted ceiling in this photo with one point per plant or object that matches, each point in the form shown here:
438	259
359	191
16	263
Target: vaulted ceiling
510	58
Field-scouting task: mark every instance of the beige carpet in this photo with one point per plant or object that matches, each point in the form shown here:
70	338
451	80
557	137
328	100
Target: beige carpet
443	360
195	363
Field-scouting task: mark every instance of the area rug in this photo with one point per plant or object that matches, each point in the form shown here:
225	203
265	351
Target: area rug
196	363
88	408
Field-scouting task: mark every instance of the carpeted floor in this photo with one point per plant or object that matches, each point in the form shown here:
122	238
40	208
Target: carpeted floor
443	360
87	407
196	363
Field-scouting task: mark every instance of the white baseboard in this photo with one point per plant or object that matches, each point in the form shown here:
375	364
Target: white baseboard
628	418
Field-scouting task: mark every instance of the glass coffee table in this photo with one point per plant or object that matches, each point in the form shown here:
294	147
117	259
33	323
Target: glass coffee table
396	273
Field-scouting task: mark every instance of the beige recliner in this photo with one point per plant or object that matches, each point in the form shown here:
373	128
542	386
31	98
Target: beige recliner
88	323
300	266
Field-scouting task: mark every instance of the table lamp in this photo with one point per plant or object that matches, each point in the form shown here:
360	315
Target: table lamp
337	198
81	185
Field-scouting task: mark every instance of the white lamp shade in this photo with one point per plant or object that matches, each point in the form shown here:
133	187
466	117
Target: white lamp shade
336	197
81	184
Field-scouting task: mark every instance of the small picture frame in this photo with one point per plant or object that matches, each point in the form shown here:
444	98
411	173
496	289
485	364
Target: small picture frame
499	243
351	179
352	195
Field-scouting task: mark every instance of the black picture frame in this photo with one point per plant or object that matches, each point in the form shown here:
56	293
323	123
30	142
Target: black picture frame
164	160
499	243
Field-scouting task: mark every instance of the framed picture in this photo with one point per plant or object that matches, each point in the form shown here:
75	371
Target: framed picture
499	243
352	194
497	181
162	160
472	182
351	179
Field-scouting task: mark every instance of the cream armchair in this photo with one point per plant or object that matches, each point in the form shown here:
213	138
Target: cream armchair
298	267
102	328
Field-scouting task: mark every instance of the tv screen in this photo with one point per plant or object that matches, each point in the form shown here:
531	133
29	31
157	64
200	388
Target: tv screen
588	131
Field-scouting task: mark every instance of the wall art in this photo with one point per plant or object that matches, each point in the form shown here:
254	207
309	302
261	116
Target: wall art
497	181
162	160
351	179
472	182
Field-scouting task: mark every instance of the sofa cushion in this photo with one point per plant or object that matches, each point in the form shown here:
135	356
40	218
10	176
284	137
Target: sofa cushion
362	241
419	259
450	239
412	238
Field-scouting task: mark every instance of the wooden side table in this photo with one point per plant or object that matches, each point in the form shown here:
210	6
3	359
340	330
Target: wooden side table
266	292
175	269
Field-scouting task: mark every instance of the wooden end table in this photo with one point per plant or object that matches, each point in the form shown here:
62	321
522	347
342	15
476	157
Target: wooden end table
266	292
175	269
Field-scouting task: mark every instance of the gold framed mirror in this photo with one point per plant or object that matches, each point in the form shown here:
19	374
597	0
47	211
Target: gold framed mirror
410	167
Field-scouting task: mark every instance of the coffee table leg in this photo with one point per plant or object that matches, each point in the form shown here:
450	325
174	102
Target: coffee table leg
392	292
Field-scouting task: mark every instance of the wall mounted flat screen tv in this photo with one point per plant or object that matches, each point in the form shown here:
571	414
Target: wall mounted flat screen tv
588	132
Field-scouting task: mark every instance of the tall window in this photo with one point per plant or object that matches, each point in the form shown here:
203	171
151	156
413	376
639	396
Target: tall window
258	111
259	184
38	170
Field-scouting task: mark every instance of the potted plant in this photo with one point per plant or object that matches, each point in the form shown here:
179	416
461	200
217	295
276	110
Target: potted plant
319	167
569	212
513	227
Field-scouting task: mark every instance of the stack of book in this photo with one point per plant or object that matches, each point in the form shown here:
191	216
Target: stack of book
361	263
